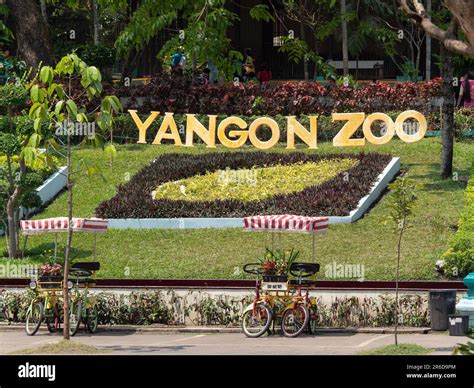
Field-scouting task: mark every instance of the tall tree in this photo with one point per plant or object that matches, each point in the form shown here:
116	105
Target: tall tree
460	14
463	14
54	105
345	50
321	18
32	37
447	73
428	47
95	21
203	36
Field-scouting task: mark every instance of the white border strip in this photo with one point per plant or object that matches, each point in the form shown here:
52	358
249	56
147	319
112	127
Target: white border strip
383	180
53	185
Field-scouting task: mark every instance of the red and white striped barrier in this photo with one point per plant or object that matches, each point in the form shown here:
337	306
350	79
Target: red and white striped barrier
61	224
287	223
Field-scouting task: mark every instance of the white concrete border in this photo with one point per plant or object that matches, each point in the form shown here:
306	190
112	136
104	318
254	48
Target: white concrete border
390	171
53	185
48	190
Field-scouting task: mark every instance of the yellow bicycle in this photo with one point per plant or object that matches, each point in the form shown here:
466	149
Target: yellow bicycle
282	301
45	306
83	305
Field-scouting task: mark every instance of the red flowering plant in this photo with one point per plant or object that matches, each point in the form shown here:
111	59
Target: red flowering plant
54	269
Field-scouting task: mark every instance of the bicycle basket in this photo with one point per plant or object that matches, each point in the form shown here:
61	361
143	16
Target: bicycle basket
49	282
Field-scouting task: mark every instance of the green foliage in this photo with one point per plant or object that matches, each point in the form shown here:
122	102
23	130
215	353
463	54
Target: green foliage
409	69
464	349
201	308
280	261
261	12
12	94
347	80
463	122
99	55
298	50
253	184
459	258
401	202
9	144
51	104
203	36
31	200
6	35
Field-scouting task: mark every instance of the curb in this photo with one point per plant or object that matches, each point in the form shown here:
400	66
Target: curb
163	329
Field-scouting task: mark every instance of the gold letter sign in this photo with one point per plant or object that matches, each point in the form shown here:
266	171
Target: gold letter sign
410	126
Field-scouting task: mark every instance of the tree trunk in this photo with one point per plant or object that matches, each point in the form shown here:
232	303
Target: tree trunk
32	37
428	47
345	50
95	21
448	114
305	59
69	241
399	246
43	11
12	209
12	228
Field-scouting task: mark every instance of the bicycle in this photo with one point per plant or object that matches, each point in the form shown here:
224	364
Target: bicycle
304	270
83	306
281	301
45	306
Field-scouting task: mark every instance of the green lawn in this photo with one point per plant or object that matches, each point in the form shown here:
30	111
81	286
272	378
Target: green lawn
220	253
62	347
398	350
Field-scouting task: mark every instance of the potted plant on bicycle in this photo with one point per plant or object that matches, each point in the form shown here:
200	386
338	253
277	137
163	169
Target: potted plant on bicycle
51	273
276	264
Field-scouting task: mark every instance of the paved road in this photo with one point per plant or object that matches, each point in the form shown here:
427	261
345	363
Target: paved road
230	343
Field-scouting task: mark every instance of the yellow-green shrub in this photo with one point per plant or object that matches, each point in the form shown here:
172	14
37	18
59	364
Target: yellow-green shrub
253	184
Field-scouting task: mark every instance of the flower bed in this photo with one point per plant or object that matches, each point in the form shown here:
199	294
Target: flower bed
334	197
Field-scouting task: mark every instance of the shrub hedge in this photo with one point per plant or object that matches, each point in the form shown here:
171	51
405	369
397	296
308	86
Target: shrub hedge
179	95
459	258
201	308
335	197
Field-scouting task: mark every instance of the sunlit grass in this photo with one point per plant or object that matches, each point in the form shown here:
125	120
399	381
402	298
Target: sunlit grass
220	253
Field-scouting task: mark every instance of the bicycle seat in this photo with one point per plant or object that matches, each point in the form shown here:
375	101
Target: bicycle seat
304	269
87	265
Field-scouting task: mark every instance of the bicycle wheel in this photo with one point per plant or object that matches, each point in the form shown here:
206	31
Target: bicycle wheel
92	319
294	321
53	321
75	317
257	321
34	317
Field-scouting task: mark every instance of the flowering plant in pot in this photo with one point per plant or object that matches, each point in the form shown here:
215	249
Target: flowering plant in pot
51	271
277	264
268	264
